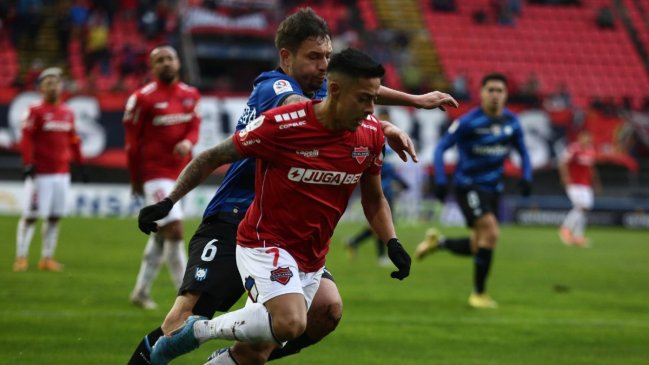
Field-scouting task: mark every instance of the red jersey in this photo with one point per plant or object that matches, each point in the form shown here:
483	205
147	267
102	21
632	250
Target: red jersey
305	176
157	117
49	140
580	161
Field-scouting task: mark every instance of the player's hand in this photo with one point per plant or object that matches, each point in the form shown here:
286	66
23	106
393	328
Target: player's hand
400	142
29	171
137	189
525	187
441	190
183	148
399	258
151	213
436	99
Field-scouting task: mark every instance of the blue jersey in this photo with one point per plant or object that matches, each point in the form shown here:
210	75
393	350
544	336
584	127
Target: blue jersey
237	191
483	142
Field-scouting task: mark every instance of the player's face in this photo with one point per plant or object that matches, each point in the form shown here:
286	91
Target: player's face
493	96
585	139
165	64
308	65
355	101
51	87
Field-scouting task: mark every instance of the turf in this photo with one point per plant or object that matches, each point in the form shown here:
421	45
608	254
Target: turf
559	305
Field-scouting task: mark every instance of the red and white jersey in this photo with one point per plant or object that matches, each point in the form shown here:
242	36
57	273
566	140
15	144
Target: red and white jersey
305	176
580	161
157	117
49	140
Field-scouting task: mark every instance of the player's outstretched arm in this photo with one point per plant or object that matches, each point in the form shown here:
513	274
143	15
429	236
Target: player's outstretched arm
378	214
431	100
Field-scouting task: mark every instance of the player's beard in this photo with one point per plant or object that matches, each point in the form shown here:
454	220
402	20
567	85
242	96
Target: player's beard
168	76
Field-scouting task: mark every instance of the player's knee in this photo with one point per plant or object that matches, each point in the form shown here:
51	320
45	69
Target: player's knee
30	221
251	353
322	322
289	326
53	219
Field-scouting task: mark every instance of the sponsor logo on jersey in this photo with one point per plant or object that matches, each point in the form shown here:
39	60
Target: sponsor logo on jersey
291	125
282	86
281	275
370	127
161	105
360	154
201	274
251	142
312	153
322	177
57	126
187	102
495	150
171	119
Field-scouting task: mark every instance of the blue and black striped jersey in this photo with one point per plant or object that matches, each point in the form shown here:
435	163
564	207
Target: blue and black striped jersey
483	143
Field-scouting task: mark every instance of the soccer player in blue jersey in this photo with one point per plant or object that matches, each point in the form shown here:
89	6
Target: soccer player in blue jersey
212	281
484	138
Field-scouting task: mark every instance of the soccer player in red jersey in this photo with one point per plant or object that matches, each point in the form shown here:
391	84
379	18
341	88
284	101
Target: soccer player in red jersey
579	177
161	124
310	156
49	143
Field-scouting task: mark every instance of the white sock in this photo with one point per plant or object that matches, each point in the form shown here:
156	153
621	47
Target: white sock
174	251
24	235
224	358
571	219
580	225
50	238
251	323
150	266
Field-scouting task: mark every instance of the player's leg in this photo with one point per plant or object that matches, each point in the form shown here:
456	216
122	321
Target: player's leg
211	283
174	250
486	235
568	226
149	267
322	318
286	295
583	202
26	226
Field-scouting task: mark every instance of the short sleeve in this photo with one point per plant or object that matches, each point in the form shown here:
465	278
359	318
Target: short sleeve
257	140
273	92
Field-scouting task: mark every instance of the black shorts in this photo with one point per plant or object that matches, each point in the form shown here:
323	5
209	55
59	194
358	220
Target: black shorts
212	268
475	203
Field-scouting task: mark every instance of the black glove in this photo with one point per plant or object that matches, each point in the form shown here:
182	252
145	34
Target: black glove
440	192
29	171
525	186
399	258
151	213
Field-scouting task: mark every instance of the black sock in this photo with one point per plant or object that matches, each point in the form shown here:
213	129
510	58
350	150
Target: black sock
482	262
362	236
142	354
459	246
292	347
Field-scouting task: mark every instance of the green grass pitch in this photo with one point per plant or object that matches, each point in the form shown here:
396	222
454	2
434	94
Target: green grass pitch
559	305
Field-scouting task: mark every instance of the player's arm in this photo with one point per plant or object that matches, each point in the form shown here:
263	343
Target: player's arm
399	141
133	129
526	164
27	143
378	214
192	175
184	146
431	100
597	182
294	98
563	170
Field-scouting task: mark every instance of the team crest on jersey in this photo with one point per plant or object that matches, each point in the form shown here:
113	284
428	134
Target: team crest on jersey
282	86
281	275
496	129
360	154
200	274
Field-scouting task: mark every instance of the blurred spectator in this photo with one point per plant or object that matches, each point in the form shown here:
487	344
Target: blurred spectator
460	87
31	77
605	19
444	5
97	43
559	99
529	92
131	62
502	11
28	22
479	16
78	15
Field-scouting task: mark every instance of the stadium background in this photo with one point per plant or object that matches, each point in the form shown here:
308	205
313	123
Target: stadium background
582	64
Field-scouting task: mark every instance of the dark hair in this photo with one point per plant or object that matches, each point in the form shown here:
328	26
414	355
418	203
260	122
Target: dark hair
298	27
354	63
497	76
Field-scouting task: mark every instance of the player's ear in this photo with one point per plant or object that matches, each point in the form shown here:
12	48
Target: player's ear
334	88
284	57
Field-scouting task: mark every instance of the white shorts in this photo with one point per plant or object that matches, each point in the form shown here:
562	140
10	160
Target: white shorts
46	195
581	196
268	272
157	189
